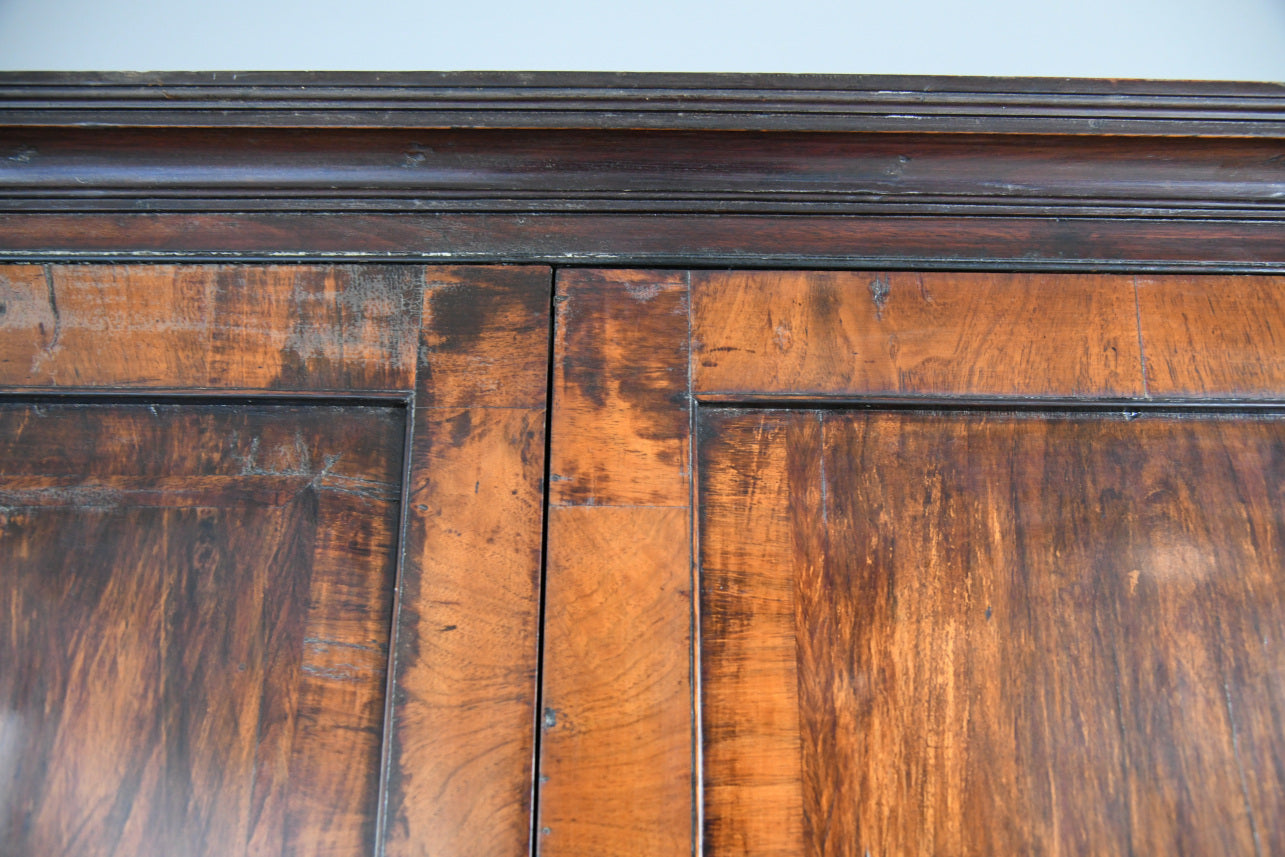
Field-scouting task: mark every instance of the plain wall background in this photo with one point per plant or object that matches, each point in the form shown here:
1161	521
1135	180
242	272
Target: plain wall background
1176	39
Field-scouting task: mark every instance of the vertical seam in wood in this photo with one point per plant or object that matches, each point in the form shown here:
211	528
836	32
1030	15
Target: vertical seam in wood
533	842
693	548
386	760
1142	354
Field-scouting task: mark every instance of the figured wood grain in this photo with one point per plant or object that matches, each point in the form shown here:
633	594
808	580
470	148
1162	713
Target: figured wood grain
749	550
461	761
329	327
485	337
616	774
1036	634
620	409
616	752
198	600
836	333
1213	336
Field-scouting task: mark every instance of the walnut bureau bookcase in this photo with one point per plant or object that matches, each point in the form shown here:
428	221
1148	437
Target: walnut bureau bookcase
594	464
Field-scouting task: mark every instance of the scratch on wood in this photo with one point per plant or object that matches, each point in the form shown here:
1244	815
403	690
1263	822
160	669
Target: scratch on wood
643	291
49	348
879	290
783	336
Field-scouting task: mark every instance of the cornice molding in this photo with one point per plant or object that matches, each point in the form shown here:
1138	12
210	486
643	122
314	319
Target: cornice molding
599	172
876	104
684	170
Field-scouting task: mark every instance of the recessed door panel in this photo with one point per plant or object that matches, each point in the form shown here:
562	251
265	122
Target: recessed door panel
197	603
968	632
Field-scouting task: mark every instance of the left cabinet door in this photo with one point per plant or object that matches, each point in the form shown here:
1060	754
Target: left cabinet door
270	558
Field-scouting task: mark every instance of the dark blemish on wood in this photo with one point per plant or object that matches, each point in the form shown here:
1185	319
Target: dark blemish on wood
988	612
477	487
550	718
53	310
879	290
4	308
458	315
420	507
545	830
461	428
587	375
449	627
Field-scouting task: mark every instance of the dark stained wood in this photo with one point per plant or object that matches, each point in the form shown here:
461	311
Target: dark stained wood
1026	634
342	328
616	775
353	170
461	773
834	333
1037	242
197	600
629	100
620	407
1213	336
644	170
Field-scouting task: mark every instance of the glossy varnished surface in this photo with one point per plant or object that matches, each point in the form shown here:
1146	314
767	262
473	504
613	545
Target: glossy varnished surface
462	353
461	774
837	333
307	327
1013	634
1213	336
754	522
197	605
620	388
616	775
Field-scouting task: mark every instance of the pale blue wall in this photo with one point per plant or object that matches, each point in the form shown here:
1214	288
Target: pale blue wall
1202	39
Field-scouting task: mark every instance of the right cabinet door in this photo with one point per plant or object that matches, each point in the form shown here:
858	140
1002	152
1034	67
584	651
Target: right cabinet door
981	563
994	632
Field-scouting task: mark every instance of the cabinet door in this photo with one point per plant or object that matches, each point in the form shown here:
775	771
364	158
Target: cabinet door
269	558
915	564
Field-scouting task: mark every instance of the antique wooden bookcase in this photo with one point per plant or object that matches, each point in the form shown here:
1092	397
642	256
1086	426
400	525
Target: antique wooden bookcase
640	464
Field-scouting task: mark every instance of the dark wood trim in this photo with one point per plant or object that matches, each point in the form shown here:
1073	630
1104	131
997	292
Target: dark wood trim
346	171
633	101
784	241
737	170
